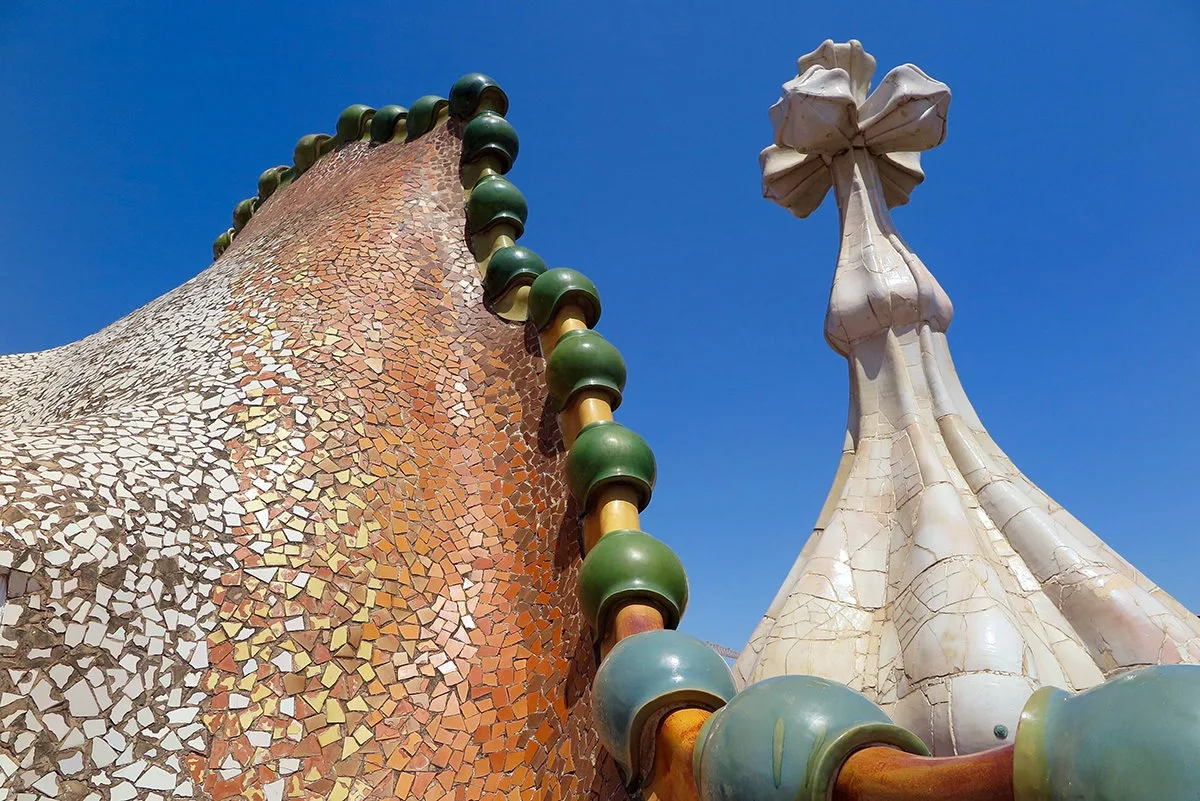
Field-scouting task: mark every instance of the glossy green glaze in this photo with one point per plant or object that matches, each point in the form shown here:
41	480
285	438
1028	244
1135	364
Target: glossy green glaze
557	288
353	123
495	199
222	243
606	453
631	566
383	124
583	360
272	179
644	678
309	149
423	115
242	213
785	738
1133	738
476	92
490	134
510	267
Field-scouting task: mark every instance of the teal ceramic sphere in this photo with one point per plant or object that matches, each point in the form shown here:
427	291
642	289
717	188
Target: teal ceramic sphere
310	148
423	115
222	243
242	213
644	678
272	179
1135	737
510	267
353	123
489	134
474	93
785	738
495	199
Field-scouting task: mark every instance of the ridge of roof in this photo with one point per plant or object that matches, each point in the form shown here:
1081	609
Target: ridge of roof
363	123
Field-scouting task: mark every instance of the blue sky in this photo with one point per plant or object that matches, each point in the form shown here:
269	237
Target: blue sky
1060	215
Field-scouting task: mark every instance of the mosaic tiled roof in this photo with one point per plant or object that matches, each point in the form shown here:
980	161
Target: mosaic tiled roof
300	527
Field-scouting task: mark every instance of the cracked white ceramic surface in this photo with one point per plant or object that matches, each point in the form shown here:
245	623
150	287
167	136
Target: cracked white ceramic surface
938	580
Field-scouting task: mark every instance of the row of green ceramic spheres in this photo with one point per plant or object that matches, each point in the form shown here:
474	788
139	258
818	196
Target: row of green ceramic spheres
643	674
631	565
359	122
623	566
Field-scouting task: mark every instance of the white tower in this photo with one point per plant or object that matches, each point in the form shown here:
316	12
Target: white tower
938	580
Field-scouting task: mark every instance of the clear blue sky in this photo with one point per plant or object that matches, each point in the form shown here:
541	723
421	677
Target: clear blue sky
1060	215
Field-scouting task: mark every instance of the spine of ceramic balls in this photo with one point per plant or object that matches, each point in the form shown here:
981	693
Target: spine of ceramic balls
496	209
632	587
357	123
611	469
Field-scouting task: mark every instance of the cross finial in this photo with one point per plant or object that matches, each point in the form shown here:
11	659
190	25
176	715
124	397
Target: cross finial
825	110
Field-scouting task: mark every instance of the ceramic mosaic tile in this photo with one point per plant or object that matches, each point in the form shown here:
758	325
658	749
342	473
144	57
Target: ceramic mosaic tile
298	529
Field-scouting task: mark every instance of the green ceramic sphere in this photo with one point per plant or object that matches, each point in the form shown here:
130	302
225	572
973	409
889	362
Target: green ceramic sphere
271	180
242	213
494	199
557	288
476	92
645	677
423	115
628	566
785	738
310	148
510	267
489	134
222	243
1135	737
383	124
584	360
353	123
605	453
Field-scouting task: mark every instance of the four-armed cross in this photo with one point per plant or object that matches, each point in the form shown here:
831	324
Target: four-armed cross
829	132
